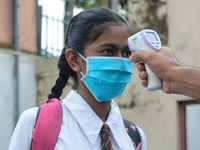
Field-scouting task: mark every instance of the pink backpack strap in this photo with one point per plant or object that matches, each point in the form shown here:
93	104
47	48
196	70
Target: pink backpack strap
48	125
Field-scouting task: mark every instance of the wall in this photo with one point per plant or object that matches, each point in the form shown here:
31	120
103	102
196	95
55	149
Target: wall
28	22
184	30
47	74
27	92
155	112
146	14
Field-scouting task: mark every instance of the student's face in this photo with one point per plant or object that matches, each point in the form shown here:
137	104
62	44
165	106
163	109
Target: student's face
111	43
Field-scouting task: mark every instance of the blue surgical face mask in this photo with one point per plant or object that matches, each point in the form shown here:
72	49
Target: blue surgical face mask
107	77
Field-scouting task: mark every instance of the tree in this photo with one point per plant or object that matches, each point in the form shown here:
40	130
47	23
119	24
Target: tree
85	4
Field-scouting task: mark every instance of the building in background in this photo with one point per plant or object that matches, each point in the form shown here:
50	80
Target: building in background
169	121
17	92
37	41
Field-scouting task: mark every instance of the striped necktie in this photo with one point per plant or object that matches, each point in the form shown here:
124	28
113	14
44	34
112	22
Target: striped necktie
105	138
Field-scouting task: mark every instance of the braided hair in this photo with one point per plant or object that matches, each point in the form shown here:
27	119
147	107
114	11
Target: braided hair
83	29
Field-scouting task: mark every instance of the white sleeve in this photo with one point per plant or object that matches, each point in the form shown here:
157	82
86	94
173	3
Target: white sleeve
21	138
143	138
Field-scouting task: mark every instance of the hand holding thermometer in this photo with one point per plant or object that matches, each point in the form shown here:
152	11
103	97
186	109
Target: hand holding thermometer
147	40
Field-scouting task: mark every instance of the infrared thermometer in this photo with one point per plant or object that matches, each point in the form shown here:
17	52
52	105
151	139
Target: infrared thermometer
147	40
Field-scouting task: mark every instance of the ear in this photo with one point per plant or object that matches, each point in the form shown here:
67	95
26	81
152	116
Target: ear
72	59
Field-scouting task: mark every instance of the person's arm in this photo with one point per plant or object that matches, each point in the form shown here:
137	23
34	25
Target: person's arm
21	138
187	82
177	78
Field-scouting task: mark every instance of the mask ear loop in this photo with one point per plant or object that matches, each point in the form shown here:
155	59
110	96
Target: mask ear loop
82	56
85	61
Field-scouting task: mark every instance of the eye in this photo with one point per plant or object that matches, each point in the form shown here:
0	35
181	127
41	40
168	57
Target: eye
108	51
126	53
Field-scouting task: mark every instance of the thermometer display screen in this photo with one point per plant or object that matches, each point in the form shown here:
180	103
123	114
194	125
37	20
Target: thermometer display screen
151	36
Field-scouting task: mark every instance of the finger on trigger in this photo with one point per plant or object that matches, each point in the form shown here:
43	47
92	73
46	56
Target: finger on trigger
140	67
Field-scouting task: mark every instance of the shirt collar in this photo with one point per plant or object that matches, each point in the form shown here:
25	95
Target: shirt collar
116	124
86	116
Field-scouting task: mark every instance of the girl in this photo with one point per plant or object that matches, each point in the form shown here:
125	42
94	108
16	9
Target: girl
95	56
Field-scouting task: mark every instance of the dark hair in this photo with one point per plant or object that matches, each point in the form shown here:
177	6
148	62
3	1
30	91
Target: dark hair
83	29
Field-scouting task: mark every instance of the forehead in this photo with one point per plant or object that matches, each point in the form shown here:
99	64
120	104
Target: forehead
115	34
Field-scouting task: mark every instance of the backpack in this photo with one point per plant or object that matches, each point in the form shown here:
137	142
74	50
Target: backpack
47	127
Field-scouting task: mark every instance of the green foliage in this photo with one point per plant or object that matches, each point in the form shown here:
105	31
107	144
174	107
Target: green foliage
85	4
123	3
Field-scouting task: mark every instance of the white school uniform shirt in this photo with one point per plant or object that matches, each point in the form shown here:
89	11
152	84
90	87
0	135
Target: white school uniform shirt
80	129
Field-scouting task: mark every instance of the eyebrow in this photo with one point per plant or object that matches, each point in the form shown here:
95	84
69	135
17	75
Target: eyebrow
112	45
108	45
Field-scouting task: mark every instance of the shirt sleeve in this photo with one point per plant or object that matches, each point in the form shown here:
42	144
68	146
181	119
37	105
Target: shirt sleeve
143	138
21	138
